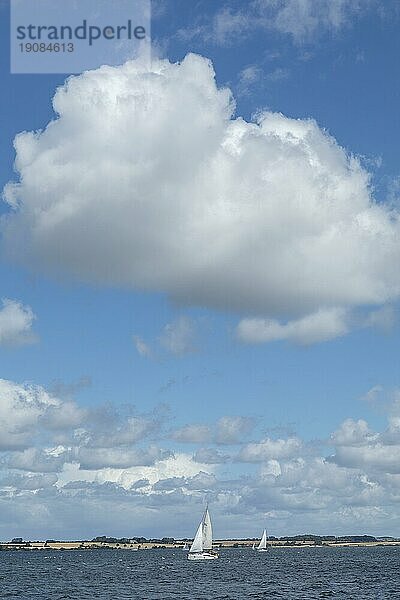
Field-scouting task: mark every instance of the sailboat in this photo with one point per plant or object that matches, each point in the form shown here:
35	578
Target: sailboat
262	546
201	549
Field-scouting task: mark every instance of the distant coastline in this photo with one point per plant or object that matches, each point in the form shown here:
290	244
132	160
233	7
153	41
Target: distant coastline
307	541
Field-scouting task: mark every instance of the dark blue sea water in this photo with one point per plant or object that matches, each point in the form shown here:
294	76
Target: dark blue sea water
301	574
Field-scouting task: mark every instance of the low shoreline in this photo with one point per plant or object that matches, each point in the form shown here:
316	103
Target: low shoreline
179	545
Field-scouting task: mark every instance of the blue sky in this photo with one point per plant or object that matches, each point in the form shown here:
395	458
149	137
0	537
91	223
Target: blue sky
185	354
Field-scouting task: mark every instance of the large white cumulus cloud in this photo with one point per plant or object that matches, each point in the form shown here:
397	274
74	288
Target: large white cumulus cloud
145	179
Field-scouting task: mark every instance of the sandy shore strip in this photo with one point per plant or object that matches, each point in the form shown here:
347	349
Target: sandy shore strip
179	544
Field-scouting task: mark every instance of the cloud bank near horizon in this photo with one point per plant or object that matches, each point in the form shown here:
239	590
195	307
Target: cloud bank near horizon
66	470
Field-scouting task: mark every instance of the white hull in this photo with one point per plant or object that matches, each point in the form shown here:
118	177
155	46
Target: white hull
202	556
262	549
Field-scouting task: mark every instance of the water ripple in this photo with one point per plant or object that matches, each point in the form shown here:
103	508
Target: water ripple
239	574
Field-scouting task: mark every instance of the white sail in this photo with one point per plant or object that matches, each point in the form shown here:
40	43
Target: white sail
207	531
263	544
197	545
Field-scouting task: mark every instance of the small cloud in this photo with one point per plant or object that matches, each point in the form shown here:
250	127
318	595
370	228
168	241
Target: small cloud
272	55
29	482
192	434
142	347
201	481
228	25
353	433
178	337
21	409
210	456
253	75
373	395
227	430
36	460
360	56
247	78
118	458
232	430
269	449
324	325
167	386
278	74
63	416
287	430
16	323
224	28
